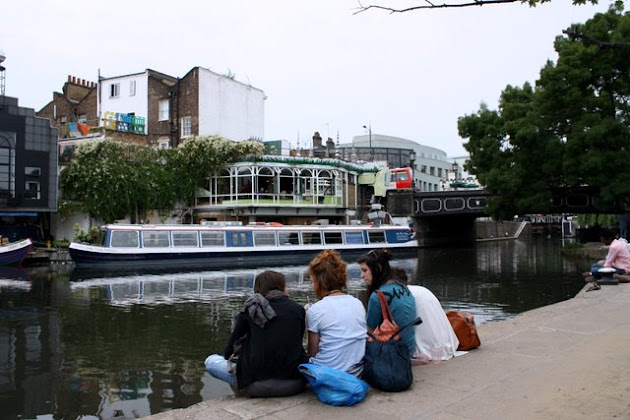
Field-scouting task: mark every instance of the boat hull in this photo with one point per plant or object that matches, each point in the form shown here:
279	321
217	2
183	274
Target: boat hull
14	253
219	259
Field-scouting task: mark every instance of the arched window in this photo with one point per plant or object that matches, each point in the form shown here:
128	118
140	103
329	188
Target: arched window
7	167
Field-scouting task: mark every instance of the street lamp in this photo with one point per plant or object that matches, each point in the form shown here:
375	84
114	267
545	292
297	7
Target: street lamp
412	164
369	129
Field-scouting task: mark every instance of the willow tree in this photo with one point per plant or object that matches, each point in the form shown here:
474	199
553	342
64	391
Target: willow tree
111	180
572	129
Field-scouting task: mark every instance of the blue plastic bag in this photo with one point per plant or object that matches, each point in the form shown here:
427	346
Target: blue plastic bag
334	386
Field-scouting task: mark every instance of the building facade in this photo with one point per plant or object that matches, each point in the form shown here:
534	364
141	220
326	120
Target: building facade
430	165
28	172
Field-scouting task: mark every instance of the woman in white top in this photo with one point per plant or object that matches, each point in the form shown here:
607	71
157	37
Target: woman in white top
336	323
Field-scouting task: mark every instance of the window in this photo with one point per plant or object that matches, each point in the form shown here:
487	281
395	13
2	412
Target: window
185	239
164	110
82	118
376	237
164	144
210	239
311	238
114	91
124	239
288	238
264	238
155	239
186	126
354	237
32	191
132	88
333	238
32	171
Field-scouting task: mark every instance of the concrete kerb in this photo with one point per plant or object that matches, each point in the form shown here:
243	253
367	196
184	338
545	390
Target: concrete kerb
561	361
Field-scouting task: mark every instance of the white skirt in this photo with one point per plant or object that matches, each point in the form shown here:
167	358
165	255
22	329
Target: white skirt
435	338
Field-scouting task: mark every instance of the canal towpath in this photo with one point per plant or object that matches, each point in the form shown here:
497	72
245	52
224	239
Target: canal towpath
569	360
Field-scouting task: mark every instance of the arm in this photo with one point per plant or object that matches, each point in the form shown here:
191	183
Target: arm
312	345
613	251
240	329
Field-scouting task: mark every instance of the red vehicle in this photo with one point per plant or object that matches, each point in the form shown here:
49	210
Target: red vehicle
400	178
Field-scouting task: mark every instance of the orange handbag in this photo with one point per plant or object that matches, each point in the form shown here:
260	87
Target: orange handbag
463	324
388	327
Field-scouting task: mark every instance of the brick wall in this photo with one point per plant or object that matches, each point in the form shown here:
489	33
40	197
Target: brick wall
188	101
158	130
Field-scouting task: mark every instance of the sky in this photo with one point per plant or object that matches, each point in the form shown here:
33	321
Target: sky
322	67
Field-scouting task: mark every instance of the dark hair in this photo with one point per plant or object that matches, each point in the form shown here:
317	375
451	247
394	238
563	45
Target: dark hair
378	263
269	280
399	274
607	234
328	272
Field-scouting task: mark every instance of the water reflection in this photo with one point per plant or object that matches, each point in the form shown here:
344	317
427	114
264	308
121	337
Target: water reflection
100	345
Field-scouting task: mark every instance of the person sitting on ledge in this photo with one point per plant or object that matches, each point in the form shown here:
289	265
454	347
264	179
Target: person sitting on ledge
264	351
618	257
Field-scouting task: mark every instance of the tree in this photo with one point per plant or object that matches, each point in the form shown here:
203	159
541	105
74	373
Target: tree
573	129
427	4
113	180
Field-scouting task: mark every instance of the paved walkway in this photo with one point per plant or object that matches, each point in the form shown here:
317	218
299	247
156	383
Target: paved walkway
570	360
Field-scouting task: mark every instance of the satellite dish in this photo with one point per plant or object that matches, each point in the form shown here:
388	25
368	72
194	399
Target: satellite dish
2	56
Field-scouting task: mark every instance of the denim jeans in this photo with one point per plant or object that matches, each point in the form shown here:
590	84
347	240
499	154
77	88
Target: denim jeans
595	270
217	366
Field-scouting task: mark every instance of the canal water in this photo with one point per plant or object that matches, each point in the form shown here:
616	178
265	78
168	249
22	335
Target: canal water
96	345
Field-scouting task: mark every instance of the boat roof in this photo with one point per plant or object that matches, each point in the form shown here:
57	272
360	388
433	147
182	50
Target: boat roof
251	227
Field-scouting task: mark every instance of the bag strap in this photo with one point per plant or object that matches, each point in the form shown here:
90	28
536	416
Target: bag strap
385	309
415	322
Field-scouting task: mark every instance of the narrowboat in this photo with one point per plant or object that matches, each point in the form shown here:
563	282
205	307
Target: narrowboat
14	252
229	246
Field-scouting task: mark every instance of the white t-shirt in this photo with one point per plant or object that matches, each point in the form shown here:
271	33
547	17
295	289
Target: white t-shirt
340	323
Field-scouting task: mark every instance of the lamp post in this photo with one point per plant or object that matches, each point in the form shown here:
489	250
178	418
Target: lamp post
369	129
412	164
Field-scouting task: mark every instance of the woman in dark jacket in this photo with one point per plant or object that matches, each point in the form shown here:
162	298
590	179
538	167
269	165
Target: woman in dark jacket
265	348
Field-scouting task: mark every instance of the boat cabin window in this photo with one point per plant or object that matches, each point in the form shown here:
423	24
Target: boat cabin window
185	239
354	238
209	239
333	238
240	239
376	236
312	238
124	239
264	238
155	239
288	238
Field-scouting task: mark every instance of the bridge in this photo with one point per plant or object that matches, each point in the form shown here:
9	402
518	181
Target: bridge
448	217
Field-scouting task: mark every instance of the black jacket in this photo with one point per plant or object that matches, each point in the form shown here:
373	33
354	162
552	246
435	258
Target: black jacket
274	351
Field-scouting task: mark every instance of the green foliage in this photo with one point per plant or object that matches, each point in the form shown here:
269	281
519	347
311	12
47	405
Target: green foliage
591	220
113	180
572	129
92	236
61	243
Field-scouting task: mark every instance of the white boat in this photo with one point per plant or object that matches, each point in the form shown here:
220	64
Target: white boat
215	246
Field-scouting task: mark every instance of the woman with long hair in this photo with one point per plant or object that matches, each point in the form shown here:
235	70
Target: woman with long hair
336	322
377	274
265	348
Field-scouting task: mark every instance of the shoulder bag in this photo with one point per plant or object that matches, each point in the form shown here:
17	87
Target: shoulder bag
387	362
465	329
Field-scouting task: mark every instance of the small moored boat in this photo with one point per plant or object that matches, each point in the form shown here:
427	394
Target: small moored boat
216	246
14	252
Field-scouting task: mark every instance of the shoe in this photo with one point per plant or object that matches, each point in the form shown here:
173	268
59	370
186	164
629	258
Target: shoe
589	279
595	286
622	278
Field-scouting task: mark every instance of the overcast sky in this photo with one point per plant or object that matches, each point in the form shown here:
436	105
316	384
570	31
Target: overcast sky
322	68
